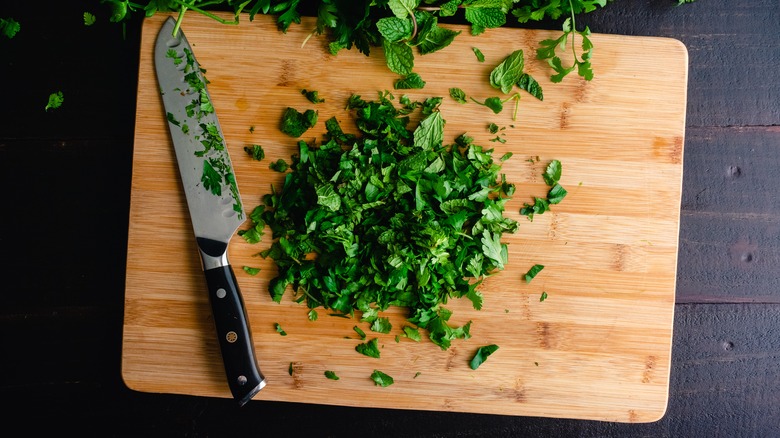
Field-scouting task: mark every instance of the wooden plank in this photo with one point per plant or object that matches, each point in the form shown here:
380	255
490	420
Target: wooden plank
730	216
599	348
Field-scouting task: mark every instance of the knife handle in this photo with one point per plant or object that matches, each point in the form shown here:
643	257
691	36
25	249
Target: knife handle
235	340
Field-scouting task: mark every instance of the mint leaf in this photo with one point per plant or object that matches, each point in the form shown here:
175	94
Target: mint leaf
394	29
435	38
403	8
505	75
478	54
430	133
411	81
399	57
529	84
556	194
481	355
553	172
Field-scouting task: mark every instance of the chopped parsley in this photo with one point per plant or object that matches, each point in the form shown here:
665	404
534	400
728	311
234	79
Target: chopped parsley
370	348
294	123
280	330
331	375
392	217
535	269
251	271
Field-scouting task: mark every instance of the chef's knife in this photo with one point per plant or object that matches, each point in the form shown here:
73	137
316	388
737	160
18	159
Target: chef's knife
212	196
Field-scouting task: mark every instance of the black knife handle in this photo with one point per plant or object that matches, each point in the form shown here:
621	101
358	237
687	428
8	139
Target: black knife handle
235	339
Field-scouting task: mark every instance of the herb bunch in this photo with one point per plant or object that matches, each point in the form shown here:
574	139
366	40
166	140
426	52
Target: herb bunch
389	217
402	28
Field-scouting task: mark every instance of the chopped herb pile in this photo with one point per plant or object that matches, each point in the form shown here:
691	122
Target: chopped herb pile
392	217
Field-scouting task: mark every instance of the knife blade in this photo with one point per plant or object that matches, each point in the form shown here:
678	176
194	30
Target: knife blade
213	200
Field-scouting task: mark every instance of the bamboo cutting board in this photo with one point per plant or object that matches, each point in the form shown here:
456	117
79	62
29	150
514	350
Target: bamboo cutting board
599	347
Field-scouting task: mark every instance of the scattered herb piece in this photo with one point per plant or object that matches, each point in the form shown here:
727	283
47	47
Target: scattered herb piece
381	379
279	165
478	54
290	369
312	96
89	19
458	94
55	100
412	333
530	85
255	151
481	355
556	194
331	375
294	123
251	271
370	348
410	81
9	27
313	315
252	129
416	375
543	297
381	325
552	174
535	269
360	332
280	330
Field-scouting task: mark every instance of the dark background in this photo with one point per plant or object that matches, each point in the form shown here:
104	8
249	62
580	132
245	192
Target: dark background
65	188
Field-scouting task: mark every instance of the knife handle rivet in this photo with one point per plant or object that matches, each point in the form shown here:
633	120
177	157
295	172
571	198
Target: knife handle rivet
221	293
231	336
241	380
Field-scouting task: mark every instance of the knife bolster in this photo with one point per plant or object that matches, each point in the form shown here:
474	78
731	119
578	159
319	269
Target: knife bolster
213	253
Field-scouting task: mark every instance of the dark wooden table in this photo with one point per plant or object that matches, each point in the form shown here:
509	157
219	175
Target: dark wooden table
63	234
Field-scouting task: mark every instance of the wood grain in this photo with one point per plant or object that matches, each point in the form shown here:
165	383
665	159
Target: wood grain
598	348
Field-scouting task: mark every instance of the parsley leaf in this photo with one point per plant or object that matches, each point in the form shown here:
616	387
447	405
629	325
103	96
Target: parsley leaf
294	123
481	355
255	151
89	19
9	27
312	96
331	375
370	348
55	100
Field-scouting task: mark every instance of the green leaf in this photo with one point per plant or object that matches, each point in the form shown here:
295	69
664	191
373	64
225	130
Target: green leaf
89	19
430	133
543	296
493	248
399	57
312	96
435	38
381	325
556	194
55	100
255	151
481	355
411	81
403	8
552	174
505	75
327	197
529	84
370	348
280	330
412	333
251	271
394	29
211	179
535	269
478	54
381	379
294	123
360	332
9	27
331	375
313	315
484	18
458	94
